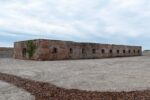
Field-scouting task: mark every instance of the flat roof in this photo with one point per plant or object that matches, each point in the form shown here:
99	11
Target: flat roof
77	42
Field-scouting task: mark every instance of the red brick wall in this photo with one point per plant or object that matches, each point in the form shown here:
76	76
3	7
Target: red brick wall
59	50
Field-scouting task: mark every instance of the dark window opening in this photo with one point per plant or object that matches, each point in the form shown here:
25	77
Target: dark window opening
54	50
118	51
71	51
93	51
103	51
111	51
138	51
129	51
134	51
83	51
124	51
24	52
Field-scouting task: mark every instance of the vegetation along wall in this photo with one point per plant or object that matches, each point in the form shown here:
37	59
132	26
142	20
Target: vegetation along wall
42	49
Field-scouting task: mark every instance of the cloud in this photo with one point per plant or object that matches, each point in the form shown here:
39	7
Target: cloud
4	44
109	21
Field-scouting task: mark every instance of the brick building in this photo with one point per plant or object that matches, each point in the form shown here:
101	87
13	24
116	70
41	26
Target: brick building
42	49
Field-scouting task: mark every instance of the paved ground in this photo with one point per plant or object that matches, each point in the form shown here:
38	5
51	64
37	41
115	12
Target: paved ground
10	92
100	74
117	74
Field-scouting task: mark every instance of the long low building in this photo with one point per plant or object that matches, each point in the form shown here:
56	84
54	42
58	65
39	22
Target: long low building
43	49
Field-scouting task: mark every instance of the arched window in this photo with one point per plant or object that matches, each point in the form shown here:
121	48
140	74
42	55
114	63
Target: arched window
138	51
124	51
93	51
110	51
83	50
129	51
71	51
118	51
54	50
24	51
134	51
103	51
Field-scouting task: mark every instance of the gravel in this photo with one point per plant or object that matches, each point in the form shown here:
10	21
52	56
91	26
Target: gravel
46	91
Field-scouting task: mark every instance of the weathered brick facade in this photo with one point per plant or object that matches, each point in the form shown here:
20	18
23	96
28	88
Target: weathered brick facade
42	49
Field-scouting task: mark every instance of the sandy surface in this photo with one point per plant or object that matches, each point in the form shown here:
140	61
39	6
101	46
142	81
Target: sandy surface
10	92
117	74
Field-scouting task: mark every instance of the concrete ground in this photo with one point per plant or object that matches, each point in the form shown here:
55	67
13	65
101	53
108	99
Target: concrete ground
10	92
113	74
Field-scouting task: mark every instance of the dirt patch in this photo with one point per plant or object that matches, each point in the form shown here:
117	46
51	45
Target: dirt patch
46	91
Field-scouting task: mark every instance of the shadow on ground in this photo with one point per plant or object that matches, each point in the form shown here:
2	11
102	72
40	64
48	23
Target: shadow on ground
46	91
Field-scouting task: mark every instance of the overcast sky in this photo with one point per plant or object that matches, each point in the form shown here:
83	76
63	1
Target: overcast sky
101	21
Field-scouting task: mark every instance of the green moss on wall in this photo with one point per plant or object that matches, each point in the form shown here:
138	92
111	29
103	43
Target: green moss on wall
30	49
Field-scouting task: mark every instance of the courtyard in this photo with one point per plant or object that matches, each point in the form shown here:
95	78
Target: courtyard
111	74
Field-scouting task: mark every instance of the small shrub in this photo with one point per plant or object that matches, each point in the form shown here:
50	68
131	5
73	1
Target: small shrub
30	48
